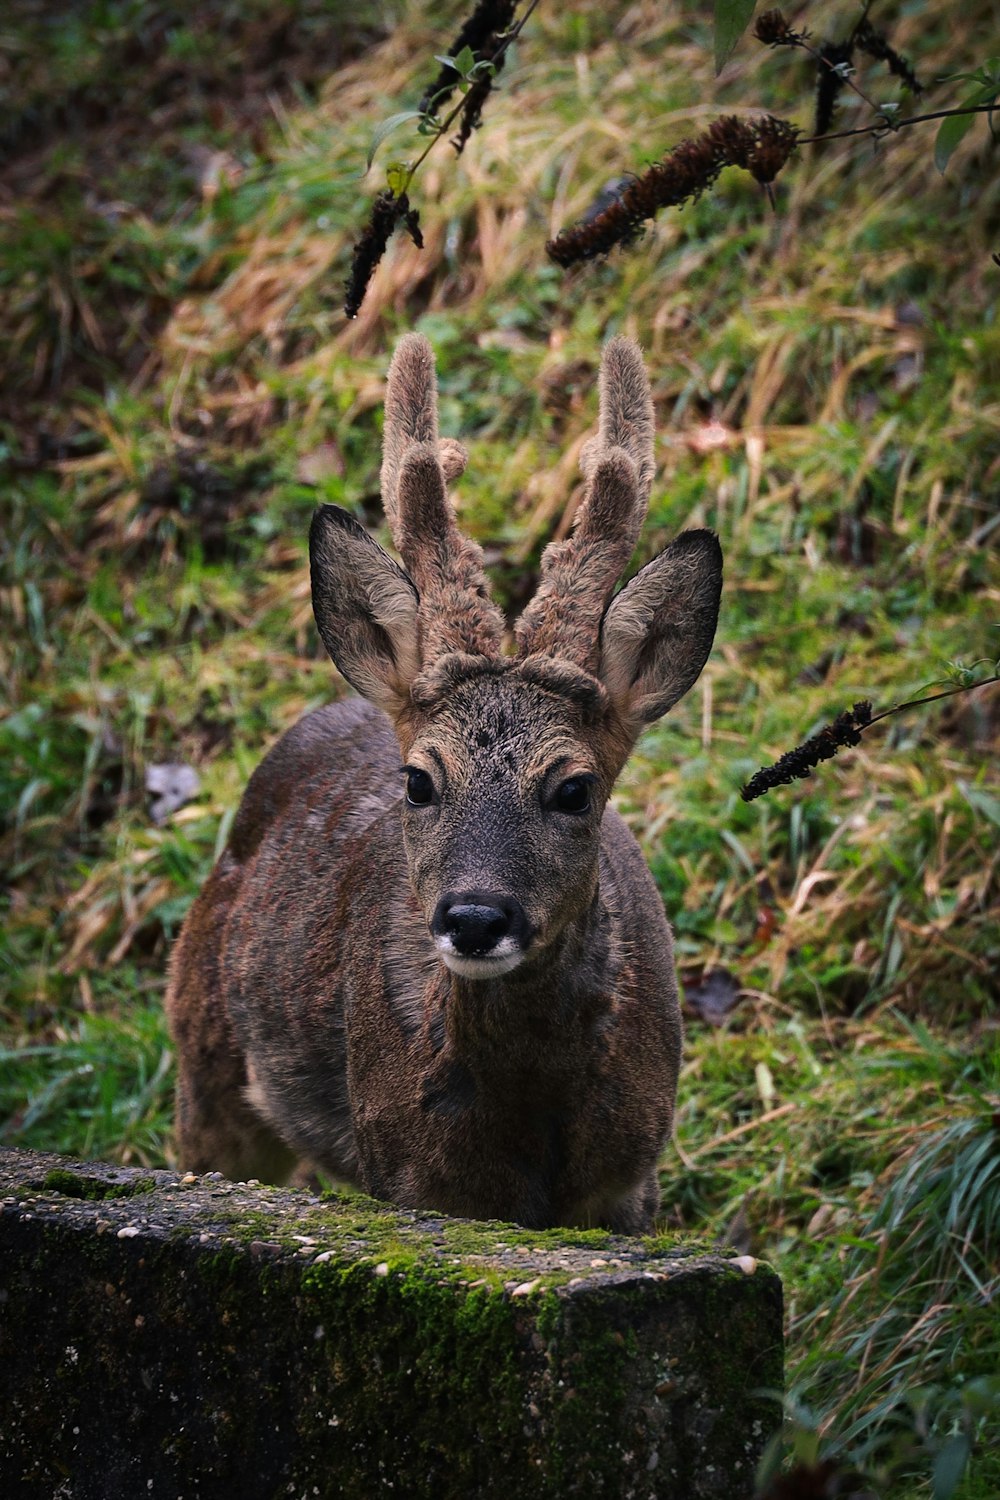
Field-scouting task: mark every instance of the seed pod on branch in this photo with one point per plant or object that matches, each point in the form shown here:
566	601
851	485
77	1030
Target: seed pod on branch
876	44
774	142
481	33
387	213
758	146
774	31
845	730
472	111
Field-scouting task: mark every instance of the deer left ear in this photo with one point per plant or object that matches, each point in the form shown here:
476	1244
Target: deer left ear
657	633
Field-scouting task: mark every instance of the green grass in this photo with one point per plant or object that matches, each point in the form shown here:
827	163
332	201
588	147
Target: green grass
181	389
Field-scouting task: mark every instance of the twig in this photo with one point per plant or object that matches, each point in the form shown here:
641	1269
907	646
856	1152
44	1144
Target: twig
884	129
392	206
453	115
846	729
967	687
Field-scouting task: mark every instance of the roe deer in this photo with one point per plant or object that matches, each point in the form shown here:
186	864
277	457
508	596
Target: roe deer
452	981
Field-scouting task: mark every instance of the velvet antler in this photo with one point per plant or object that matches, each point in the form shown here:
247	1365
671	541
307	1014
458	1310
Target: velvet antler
455	612
580	573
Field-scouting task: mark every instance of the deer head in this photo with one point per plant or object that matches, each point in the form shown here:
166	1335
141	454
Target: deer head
508	760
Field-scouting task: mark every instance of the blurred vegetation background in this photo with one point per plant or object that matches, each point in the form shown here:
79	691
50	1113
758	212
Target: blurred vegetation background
179	194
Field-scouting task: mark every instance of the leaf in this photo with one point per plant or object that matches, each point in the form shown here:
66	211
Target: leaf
981	802
732	17
171	785
956	127
981	1396
714	997
949	1466
397	175
988	73
953	130
386	128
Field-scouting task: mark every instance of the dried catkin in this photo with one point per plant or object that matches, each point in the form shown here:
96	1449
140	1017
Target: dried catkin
845	730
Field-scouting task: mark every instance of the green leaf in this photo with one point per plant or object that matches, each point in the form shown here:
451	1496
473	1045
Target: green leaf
988	73
463	62
956	127
981	802
981	1396
732	17
386	128
397	175
953	130
949	1466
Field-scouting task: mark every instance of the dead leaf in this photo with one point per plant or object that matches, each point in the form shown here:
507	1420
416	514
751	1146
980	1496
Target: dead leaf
712	435
713	997
170	786
324	462
738	1235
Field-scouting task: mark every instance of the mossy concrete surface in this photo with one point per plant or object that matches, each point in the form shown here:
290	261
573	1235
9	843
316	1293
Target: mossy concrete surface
173	1336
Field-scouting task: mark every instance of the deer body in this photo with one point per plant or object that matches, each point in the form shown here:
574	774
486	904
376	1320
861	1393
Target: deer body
457	989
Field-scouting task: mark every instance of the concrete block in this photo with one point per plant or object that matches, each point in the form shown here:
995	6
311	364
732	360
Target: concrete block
172	1337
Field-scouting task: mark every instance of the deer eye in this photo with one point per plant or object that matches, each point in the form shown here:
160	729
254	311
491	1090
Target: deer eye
419	787
573	796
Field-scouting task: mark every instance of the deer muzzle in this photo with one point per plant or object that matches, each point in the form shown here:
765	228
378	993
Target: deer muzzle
480	934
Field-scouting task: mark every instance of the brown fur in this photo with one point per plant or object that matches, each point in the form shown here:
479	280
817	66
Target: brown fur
340	995
579	574
456	613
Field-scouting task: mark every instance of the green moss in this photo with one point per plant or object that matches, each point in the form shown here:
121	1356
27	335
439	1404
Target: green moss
399	1342
353	1227
82	1185
675	1246
421	1323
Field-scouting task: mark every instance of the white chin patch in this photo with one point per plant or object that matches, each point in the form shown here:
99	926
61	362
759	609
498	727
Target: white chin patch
488	966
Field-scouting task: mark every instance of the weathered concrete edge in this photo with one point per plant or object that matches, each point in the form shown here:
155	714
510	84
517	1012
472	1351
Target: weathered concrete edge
598	1342
304	1226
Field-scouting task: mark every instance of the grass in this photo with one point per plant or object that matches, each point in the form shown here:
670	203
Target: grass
181	391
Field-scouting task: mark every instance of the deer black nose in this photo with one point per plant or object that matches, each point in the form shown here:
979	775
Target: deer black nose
476	922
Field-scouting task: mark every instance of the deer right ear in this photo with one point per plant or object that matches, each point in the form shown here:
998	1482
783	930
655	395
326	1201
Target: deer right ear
365	608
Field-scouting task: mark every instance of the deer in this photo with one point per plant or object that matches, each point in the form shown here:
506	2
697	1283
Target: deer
431	961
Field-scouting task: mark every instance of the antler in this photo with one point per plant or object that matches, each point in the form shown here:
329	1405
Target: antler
580	573
456	612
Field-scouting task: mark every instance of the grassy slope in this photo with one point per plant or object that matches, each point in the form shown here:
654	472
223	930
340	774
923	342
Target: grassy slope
182	388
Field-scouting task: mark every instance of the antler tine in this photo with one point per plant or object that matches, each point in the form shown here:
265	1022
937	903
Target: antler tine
411	418
410	415
579	574
626	414
455	613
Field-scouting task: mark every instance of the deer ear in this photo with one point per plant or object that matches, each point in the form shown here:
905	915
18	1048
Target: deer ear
365	608
657	633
